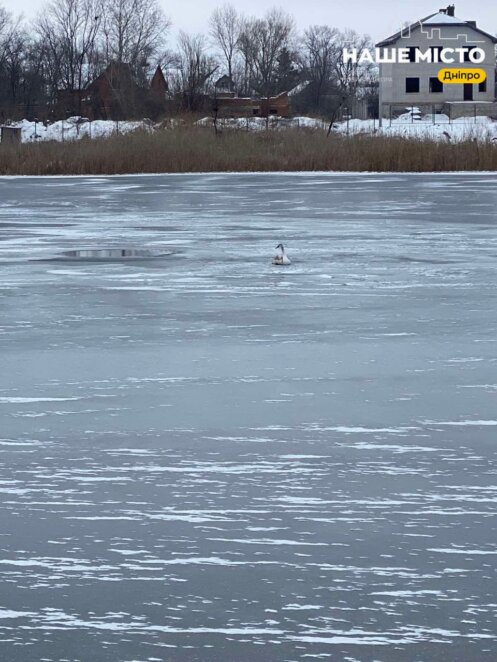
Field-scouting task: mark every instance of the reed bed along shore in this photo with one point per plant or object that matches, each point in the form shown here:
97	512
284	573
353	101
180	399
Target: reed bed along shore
195	149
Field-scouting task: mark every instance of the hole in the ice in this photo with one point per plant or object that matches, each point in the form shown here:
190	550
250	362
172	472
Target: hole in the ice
115	254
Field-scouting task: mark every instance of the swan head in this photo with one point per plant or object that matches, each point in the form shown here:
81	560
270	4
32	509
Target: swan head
280	246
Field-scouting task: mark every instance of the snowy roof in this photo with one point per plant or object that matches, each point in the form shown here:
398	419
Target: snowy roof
439	18
443	18
298	88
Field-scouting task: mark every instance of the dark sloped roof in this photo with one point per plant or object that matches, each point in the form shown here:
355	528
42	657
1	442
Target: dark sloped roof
115	72
159	82
417	24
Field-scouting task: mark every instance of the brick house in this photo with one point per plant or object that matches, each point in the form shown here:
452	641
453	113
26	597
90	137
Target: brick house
116	94
228	105
231	106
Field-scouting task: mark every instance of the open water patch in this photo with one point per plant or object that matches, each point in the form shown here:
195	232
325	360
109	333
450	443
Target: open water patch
112	255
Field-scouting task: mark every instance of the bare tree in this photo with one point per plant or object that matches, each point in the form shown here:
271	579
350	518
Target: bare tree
5	20
21	76
68	30
15	52
194	68
247	48
6	24
72	41
262	40
320	54
8	55
351	75
51	50
34	79
134	32
225	28
353	80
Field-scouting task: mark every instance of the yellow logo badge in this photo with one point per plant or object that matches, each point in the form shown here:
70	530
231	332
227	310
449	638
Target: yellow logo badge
458	76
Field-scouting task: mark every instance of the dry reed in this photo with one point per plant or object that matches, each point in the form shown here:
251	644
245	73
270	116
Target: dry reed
195	149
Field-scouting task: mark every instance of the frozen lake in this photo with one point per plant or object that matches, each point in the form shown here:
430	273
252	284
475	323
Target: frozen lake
207	458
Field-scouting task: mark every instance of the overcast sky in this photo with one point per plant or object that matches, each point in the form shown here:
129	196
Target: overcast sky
378	18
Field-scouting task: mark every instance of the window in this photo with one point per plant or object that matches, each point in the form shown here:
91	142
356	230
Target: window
466	53
273	111
482	87
436	86
435	53
412	53
412	85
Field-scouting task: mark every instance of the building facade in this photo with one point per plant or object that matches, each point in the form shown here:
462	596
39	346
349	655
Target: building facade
116	94
233	107
416	83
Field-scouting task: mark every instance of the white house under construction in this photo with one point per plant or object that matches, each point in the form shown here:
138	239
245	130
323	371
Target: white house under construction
416	83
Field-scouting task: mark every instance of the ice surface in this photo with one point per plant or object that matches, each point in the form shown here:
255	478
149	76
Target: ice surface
206	458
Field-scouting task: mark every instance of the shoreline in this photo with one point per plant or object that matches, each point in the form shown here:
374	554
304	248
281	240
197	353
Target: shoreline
271	173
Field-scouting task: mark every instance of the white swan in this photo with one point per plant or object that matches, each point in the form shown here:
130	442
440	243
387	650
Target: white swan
281	259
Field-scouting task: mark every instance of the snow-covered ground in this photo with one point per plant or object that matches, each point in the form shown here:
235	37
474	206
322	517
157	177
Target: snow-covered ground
259	123
416	126
411	125
75	128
